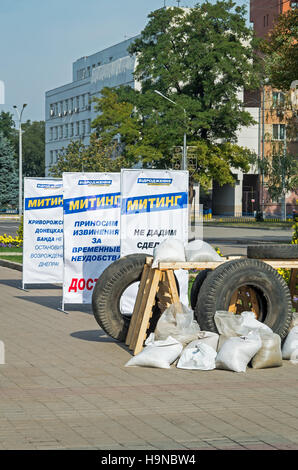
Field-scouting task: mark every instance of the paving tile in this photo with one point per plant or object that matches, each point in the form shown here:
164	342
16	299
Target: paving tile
60	391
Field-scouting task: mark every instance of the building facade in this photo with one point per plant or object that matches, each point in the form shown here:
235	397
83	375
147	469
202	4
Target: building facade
69	108
276	107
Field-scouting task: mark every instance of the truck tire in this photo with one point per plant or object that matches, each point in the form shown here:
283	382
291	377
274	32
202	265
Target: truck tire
270	290
197	284
115	279
273	251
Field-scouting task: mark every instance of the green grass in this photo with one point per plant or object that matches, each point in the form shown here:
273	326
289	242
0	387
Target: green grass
13	249
14	259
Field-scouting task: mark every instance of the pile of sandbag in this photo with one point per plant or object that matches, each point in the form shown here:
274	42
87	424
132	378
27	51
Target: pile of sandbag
173	250
241	341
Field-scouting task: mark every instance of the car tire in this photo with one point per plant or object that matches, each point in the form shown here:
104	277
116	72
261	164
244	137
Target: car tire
272	293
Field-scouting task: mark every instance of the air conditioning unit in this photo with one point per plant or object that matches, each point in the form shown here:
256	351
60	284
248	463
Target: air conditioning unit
52	112
76	110
65	112
70	111
59	114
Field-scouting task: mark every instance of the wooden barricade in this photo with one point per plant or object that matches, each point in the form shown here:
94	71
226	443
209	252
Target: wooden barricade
159	285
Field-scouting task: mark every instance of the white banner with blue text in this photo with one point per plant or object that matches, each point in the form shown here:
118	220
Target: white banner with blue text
43	231
91	208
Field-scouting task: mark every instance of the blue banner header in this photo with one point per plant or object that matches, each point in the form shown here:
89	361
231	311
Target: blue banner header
154	203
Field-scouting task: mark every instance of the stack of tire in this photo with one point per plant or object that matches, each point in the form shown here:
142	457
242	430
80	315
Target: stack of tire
212	290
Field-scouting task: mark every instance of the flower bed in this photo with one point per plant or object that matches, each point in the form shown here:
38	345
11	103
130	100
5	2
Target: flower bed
7	241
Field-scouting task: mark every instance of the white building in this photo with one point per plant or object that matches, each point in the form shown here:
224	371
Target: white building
69	110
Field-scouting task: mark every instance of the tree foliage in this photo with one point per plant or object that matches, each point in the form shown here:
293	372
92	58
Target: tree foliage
95	157
8	174
7	126
282	173
199	58
33	145
281	51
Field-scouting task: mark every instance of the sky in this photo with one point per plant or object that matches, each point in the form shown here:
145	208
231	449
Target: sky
40	39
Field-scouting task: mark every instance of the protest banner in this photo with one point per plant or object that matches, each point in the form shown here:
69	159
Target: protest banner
91	231
43	231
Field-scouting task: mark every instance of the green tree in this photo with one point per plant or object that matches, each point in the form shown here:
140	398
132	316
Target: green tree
8	174
199	58
33	145
281	171
96	157
281	51
7	126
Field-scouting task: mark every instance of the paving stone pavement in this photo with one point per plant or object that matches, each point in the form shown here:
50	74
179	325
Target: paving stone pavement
65	386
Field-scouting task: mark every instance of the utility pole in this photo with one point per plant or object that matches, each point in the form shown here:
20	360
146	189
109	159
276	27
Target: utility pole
20	159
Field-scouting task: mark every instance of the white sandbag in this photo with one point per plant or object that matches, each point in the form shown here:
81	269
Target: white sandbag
169	250
227	323
294	321
269	355
230	324
197	355
290	346
198	250
178	322
157	353
221	340
238	351
209	338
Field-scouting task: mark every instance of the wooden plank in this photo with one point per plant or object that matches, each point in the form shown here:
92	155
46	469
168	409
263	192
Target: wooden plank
285	263
139	315
138	346
137	303
254	302
173	286
233	302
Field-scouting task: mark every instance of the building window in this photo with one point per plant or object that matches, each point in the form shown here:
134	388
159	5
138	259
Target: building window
65	131
71	129
294	5
60	132
83	101
77	102
278	131
77	128
83	128
267	20
88	126
278	99
51	157
51	133
71	104
55	133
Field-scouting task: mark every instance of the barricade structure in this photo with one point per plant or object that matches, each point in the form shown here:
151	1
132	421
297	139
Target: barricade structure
160	282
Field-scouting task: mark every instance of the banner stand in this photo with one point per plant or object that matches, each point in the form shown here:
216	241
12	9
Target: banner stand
23	287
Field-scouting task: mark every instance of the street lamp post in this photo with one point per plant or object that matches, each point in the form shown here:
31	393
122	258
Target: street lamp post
20	158
184	155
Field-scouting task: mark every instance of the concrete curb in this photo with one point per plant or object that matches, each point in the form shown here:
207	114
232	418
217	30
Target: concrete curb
10	264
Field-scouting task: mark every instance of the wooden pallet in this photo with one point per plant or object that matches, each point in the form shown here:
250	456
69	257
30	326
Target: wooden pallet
159	285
